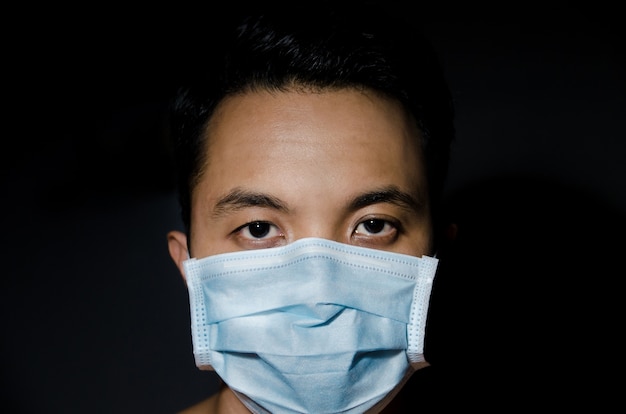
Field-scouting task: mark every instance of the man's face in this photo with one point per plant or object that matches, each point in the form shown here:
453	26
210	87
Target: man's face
341	165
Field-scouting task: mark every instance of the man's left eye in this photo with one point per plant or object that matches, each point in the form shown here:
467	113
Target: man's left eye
374	226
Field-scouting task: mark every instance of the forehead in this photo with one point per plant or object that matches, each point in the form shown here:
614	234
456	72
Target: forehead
332	138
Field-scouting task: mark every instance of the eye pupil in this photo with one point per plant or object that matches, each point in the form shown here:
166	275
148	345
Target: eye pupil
259	229
374	226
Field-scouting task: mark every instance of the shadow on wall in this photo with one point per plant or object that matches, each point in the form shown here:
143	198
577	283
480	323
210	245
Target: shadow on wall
527	303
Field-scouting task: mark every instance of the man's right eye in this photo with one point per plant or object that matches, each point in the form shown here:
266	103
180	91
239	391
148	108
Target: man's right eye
258	230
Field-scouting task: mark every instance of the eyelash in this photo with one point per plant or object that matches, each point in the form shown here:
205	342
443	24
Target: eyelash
248	226
388	234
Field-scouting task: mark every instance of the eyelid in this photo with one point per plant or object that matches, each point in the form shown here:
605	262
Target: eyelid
247	224
390	233
395	222
386	223
274	237
243	226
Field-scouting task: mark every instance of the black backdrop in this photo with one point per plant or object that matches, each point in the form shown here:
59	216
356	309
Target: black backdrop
527	311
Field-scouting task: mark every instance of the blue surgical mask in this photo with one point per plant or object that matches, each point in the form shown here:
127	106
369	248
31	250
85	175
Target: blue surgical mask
315	326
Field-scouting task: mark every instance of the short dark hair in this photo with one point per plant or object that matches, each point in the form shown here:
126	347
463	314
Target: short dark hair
333	45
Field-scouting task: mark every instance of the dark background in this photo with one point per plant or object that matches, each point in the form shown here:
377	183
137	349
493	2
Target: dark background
528	309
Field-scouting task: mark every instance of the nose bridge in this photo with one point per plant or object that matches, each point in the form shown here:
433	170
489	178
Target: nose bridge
320	232
320	223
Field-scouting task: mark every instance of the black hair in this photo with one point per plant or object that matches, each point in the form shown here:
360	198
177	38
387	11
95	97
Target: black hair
328	45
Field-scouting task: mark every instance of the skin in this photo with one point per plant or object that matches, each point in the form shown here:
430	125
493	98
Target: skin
343	165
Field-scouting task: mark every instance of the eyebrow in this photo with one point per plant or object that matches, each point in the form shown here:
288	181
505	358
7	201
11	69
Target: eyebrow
240	198
390	194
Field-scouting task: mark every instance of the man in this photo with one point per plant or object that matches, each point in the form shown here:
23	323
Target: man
312	156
